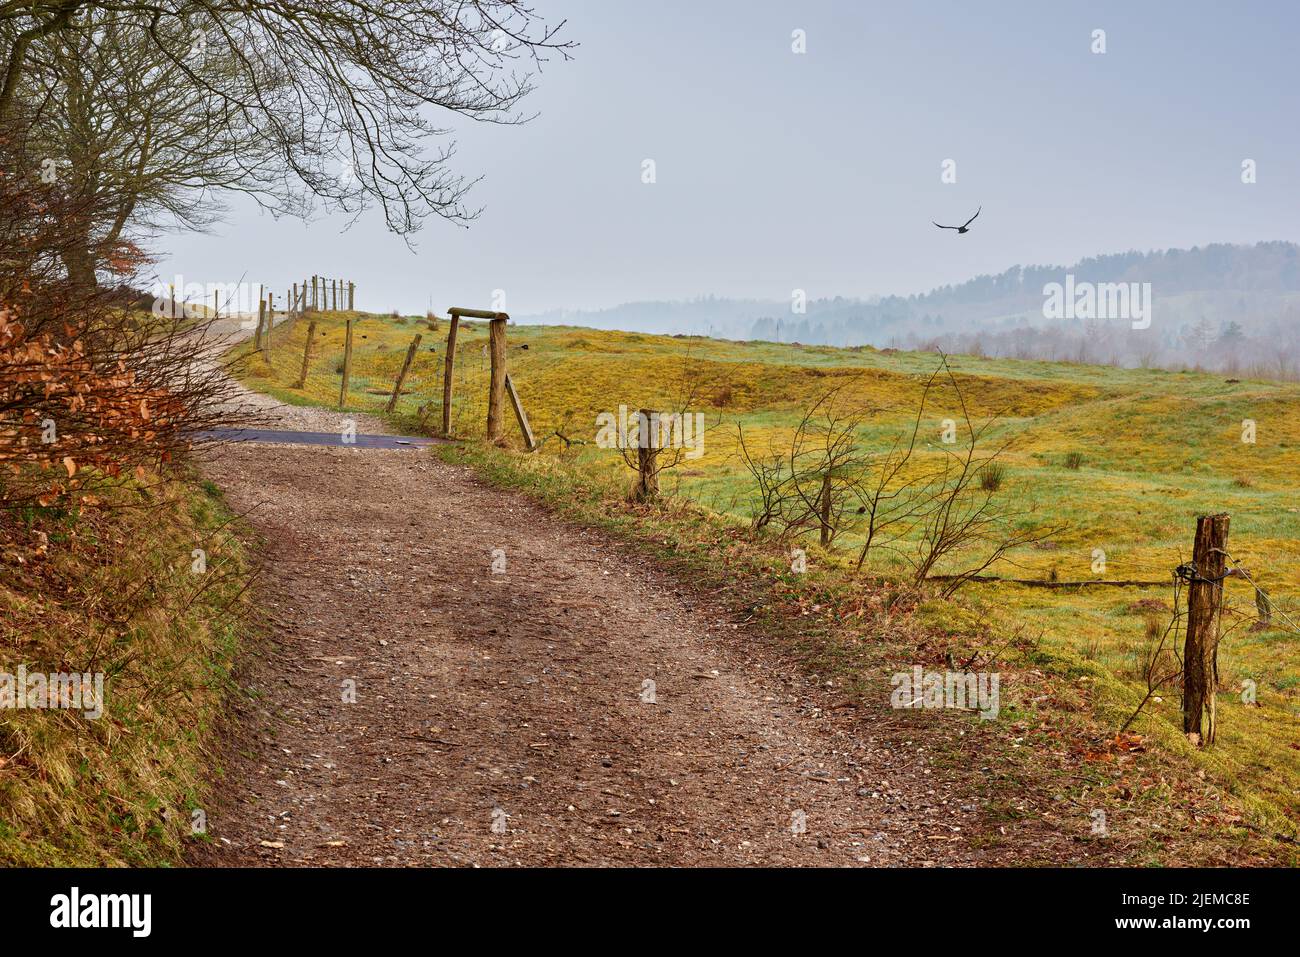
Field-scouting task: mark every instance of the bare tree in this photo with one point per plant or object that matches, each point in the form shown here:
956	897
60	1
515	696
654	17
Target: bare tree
812	483
961	516
132	141
342	93
889	495
924	513
91	389
826	461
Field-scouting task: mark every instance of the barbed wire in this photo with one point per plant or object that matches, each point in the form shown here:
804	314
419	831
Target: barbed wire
1240	569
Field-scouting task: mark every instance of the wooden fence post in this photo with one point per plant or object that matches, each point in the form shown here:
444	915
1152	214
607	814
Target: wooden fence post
306	356
497	383
520	416
401	376
261	317
647	454
449	367
216	304
1264	607
270	325
347	366
1200	651
352	296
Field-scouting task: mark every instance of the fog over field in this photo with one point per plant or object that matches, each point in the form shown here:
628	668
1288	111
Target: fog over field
1226	308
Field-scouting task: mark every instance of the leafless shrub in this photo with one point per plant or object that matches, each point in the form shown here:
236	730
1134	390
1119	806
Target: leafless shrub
827	481
816	483
959	518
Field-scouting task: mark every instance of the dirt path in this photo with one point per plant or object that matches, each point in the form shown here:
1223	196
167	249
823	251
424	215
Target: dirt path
523	692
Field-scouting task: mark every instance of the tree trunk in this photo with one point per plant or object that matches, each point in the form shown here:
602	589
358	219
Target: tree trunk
79	261
825	516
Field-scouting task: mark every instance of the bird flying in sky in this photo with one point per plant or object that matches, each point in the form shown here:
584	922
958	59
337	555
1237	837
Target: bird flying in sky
964	227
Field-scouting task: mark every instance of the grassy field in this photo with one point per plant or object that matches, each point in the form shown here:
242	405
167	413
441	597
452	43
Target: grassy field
1119	460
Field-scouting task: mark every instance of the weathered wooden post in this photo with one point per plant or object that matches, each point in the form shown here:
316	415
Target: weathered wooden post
270	326
1263	607
401	376
347	366
334	290
352	296
647	455
1200	651
449	367
261	318
520	415
497	382
306	356
216	304
315	301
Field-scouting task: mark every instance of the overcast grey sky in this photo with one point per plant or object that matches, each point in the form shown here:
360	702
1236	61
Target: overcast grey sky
822	171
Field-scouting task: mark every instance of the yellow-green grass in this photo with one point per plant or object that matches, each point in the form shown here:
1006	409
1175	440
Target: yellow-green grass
1158	448
117	594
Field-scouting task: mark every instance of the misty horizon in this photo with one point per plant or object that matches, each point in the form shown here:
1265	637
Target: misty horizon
823	170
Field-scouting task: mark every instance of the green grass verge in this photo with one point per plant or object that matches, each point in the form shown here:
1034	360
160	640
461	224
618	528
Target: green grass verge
117	593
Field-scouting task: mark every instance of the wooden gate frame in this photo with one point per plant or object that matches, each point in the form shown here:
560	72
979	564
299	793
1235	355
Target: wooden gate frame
500	385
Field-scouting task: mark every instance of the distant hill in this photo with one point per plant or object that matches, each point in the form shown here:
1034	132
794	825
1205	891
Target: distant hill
1224	307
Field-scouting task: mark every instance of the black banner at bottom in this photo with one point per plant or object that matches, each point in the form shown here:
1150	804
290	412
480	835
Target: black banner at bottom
372	906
